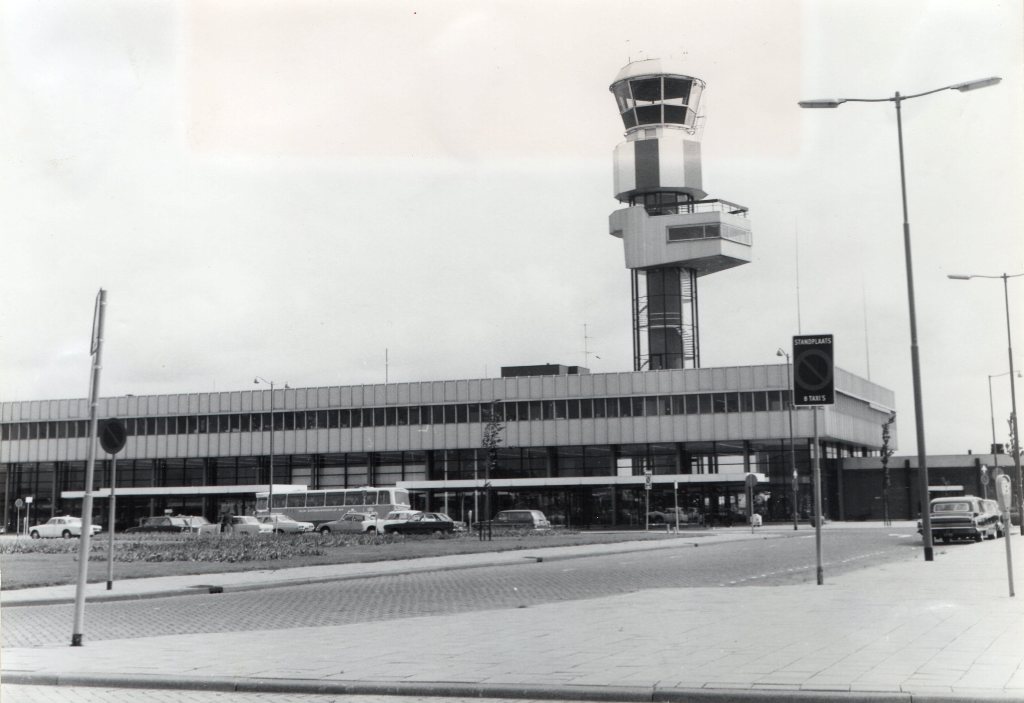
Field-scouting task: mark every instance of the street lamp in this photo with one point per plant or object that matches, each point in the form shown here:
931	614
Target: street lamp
991	410
792	455
270	483
1013	389
897	100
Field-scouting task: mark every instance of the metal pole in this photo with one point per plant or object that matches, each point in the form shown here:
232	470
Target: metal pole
675	498
83	542
992	413
1008	531
922	457
1013	413
992	419
647	507
270	487
817	498
792	452
110	537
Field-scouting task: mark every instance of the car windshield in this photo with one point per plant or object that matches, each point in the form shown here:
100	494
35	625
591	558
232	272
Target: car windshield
951	508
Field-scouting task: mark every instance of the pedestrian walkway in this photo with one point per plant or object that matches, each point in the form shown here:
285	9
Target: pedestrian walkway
945	630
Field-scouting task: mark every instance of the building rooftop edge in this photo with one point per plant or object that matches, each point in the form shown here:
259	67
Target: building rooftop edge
840	373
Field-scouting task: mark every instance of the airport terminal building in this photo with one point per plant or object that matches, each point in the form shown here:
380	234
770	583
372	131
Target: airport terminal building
574	444
589	449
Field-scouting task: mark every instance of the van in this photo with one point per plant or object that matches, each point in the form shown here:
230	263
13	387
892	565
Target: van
526	519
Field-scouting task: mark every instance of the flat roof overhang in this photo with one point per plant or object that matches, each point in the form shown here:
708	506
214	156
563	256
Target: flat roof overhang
155	491
568	481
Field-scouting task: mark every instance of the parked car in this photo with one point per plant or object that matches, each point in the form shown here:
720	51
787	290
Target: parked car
993	507
350	522
421	524
527	519
198	525
393	518
457	525
285	524
687	516
61	527
962	517
160	523
248	525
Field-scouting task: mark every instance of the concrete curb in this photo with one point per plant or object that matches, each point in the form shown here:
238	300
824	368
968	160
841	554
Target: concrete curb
452	689
204	589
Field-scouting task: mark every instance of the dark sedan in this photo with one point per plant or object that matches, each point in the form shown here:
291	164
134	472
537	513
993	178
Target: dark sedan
161	524
422	523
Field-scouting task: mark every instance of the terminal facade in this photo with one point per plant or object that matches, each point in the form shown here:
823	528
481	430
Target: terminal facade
575	445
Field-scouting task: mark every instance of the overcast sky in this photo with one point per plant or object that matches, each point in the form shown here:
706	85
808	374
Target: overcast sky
300	190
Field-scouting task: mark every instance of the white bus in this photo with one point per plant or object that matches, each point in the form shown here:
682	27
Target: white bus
317	506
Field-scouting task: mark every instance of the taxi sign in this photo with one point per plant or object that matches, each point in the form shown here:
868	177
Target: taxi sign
813	381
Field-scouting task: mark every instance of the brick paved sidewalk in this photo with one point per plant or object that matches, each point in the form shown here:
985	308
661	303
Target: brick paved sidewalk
946	629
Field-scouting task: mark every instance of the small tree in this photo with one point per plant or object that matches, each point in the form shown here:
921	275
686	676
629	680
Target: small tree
490	441
886	478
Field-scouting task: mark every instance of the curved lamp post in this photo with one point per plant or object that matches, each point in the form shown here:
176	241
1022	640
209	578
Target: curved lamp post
897	100
792	456
270	483
992	414
1013	390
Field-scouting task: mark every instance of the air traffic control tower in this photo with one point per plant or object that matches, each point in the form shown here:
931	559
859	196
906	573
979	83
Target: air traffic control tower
672	234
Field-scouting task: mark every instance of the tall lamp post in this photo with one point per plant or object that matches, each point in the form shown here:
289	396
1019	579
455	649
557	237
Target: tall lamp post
270	483
792	455
897	100
1013	389
992	414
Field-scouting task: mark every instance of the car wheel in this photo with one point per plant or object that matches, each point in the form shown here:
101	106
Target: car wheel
66	534
34	534
278	531
325	530
371	530
977	536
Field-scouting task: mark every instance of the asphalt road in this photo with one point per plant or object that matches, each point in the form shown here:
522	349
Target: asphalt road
766	562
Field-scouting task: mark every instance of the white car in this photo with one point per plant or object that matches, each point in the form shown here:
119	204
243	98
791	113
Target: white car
248	525
284	524
350	522
61	527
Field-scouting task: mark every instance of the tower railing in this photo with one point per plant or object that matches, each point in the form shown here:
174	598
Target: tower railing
685	208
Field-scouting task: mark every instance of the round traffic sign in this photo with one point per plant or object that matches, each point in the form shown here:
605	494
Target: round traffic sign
814	370
112	435
19	504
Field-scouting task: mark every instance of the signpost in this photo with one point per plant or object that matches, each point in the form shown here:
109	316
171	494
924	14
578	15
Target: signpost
28	513
751	484
19	504
96	351
813	386
813	378
647	498
113	436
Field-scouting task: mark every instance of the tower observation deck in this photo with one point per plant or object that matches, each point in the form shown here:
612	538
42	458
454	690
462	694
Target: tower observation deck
672	234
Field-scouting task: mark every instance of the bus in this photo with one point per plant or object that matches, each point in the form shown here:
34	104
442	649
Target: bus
322	505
